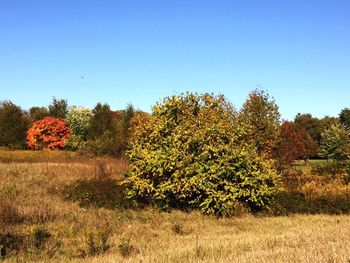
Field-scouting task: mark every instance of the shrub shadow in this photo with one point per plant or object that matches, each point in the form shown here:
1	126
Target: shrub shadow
295	202
97	192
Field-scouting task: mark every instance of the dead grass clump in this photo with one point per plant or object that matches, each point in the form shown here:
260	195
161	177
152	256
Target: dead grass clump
178	229
41	213
94	237
96	242
9	212
125	247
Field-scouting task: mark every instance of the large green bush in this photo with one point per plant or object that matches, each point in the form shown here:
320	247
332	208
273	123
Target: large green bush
189	155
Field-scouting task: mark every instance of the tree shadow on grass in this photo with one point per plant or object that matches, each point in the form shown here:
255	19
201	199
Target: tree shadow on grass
96	192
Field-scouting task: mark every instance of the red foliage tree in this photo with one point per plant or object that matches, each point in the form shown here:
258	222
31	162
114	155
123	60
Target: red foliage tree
291	145
48	133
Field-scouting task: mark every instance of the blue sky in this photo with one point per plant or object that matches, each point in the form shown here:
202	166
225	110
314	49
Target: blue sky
140	51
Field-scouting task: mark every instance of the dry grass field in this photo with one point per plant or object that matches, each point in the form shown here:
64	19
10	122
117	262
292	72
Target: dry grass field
61	207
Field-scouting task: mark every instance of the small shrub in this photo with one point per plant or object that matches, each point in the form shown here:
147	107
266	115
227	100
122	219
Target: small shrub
39	236
104	145
9	191
9	212
74	143
125	248
10	244
96	241
100	170
41	213
178	229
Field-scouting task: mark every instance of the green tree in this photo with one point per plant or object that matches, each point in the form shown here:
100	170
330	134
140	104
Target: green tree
127	116
335	143
13	125
38	113
101	121
344	117
102	134
58	108
78	119
190	155
124	128
260	113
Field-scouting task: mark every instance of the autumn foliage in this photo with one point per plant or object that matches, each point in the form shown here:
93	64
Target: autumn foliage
48	133
291	145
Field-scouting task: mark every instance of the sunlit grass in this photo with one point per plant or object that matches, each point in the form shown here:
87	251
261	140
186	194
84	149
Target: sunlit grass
69	196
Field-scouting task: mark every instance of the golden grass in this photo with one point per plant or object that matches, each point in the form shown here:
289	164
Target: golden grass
36	188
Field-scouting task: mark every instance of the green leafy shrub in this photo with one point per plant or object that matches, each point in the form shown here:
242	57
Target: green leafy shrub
189	155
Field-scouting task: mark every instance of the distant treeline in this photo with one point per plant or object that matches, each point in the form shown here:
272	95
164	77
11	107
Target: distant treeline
98	131
102	131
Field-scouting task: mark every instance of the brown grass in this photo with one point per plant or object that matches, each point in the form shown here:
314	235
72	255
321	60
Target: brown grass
59	210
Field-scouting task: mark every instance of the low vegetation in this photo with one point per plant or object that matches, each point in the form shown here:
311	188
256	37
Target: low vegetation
58	206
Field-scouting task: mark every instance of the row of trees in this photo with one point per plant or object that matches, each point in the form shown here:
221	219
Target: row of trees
193	151
100	130
197	152
308	137
105	132
303	138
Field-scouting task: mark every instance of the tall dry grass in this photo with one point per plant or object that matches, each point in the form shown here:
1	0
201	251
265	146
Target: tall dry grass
55	208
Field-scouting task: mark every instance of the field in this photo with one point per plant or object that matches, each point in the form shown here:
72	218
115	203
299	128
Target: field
60	207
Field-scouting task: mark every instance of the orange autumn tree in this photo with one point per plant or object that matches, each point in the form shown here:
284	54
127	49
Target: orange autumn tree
49	133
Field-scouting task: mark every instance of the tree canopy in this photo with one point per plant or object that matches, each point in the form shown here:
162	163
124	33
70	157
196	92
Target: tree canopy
13	125
260	113
190	155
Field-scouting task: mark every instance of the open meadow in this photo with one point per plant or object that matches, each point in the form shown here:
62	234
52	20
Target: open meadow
174	131
59	206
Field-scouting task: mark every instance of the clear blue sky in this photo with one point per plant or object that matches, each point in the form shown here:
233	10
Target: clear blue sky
140	51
